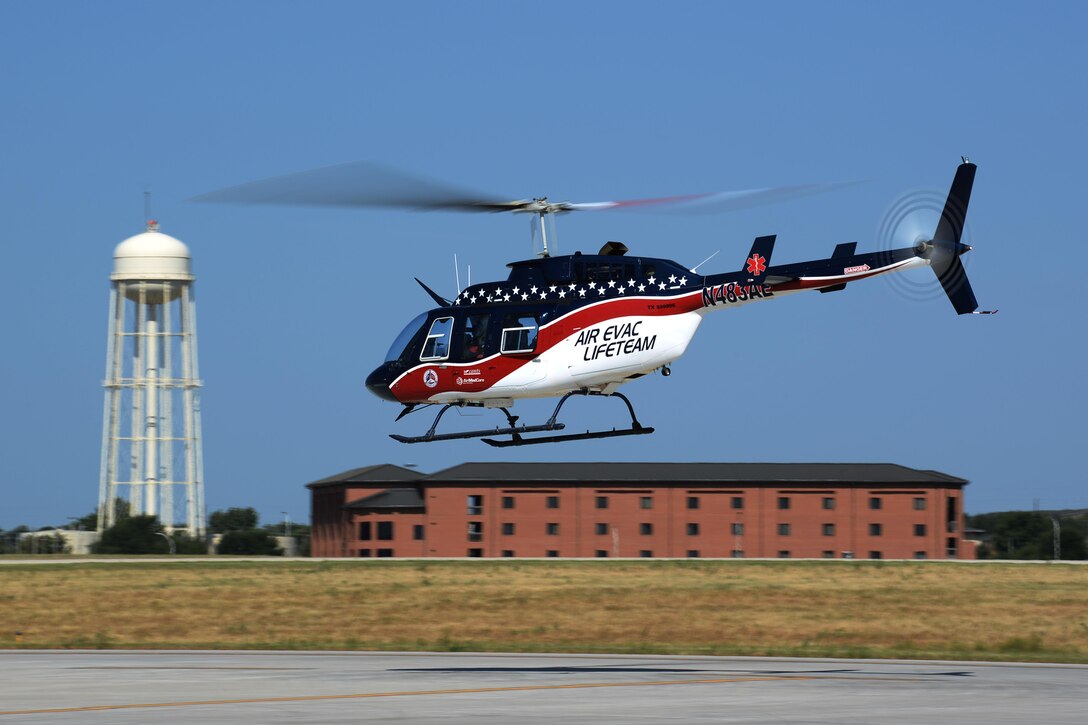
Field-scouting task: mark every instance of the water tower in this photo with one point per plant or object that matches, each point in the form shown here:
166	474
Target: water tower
151	448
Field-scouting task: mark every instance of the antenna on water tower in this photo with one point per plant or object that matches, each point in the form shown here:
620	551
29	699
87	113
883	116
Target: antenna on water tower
151	441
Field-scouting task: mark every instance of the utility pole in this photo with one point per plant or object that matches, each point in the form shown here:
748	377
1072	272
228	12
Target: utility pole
1057	538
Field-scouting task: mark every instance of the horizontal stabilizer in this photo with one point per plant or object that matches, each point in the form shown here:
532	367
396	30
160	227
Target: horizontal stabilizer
759	258
846	249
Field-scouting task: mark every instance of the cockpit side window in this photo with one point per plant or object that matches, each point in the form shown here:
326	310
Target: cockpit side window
475	345
519	334
437	344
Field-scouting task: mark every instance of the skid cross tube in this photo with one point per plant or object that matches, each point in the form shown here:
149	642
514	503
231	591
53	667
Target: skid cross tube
513	430
635	429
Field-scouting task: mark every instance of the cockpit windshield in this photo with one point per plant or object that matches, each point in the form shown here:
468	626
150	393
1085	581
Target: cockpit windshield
396	351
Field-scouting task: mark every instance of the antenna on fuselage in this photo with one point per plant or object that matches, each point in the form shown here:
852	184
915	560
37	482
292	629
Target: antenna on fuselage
457	273
695	269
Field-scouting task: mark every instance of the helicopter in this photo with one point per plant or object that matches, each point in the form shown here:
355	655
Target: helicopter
585	324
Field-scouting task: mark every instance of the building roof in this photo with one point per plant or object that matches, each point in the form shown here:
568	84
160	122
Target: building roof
710	472
381	473
391	498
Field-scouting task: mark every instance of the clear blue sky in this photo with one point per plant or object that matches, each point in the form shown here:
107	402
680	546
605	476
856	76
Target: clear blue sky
579	101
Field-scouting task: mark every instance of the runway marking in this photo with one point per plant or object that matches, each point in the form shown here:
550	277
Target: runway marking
365	695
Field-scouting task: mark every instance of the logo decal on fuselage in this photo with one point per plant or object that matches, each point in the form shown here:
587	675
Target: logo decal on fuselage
430	379
613	340
756	264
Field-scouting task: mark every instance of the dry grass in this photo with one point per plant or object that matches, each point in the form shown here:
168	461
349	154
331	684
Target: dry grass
859	609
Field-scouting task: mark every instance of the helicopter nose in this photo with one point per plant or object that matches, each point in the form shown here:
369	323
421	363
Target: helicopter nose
378	382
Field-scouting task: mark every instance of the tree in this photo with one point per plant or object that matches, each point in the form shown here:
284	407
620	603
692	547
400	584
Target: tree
233	519
251	541
1029	535
133	535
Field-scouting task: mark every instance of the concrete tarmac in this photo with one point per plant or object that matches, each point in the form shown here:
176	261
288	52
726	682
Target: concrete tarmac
198	688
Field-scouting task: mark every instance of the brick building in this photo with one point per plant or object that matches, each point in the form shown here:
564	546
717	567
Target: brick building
712	510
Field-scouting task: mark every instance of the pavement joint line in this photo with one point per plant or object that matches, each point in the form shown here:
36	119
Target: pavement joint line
366	695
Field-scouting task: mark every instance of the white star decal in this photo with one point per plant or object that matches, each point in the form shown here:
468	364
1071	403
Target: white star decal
562	293
506	298
533	289
572	285
630	283
581	293
601	290
524	296
661	285
653	280
472	299
620	289
611	283
642	288
516	290
683	281
672	279
553	288
498	291
593	285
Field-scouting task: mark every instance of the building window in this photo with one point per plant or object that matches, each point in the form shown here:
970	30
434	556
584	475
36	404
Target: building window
783	529
508	553
919	504
829	503
552	529
507	529
919	555
385	553
553	554
475	530
475	504
364	553
552	502
783	502
693	553
919	529
828	554
875	555
601	529
646	502
693	529
875	503
737	502
508	502
646	554
876	530
737	553
602	502
693	502
646	529
783	554
602	553
364	531
476	553
829	529
385	531
738	529
417	532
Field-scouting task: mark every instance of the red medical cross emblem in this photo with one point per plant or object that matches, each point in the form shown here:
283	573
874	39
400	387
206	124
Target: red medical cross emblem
756	264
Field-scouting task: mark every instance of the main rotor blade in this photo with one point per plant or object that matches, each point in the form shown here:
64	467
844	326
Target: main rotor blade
712	203
360	184
367	184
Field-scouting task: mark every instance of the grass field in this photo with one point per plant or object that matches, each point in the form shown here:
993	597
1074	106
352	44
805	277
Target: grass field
849	609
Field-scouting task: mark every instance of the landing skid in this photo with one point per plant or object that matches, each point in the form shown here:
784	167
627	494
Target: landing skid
516	432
